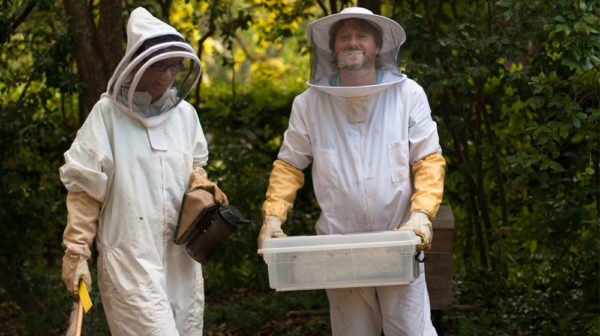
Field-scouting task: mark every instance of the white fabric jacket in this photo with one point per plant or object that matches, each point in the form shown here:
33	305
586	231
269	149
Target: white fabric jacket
361	171
148	284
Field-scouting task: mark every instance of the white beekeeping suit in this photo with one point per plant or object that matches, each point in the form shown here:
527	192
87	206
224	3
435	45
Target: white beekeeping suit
376	161
139	150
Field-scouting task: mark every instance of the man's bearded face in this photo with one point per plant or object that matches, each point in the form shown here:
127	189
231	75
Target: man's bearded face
354	48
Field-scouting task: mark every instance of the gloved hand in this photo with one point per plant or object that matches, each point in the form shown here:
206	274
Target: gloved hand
420	224
75	268
83	212
199	179
271	228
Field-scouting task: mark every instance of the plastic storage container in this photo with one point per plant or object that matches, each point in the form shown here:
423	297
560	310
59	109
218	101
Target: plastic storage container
341	260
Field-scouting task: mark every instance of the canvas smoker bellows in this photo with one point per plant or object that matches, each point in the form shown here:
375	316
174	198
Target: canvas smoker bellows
341	260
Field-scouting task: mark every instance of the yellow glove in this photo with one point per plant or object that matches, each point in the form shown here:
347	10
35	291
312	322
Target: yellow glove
74	268
428	176
83	212
199	179
271	228
420	224
284	182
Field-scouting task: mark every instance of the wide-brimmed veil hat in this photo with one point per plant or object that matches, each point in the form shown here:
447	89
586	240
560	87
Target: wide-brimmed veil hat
150	43
322	61
392	33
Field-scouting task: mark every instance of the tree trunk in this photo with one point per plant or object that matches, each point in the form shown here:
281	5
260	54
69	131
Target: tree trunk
110	34
98	49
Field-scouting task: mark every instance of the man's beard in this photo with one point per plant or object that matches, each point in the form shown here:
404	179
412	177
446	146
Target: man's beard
354	60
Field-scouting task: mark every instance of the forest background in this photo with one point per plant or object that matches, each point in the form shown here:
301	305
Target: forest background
513	86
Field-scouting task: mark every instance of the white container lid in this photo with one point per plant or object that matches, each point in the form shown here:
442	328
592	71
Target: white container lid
339	241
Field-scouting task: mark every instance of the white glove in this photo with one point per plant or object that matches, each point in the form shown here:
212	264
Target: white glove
271	228
74	268
420	224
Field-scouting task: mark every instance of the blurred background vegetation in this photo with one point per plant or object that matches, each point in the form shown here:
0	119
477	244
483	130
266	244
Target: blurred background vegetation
514	88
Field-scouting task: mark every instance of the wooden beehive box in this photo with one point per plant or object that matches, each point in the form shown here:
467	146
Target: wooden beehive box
438	265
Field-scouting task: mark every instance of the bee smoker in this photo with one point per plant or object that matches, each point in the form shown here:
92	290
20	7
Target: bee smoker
205	226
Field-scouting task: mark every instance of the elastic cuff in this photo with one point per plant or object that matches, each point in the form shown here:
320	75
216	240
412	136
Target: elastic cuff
78	250
425	212
275	209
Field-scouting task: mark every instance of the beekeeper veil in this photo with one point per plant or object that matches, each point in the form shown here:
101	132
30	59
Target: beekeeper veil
157	72
388	36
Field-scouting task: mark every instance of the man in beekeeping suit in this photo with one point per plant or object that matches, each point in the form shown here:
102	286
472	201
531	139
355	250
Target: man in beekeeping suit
376	161
140	148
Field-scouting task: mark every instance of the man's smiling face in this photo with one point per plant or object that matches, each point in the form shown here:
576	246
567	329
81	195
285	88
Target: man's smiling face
354	49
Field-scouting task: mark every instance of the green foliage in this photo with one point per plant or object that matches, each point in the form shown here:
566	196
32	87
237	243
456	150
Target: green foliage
513	85
238	311
543	297
515	89
33	136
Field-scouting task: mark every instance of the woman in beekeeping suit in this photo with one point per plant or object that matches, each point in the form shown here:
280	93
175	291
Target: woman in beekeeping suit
140	148
376	161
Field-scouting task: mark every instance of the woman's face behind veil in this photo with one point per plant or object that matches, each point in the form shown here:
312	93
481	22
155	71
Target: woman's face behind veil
159	77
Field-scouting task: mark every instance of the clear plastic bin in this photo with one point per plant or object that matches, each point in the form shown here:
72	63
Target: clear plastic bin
341	260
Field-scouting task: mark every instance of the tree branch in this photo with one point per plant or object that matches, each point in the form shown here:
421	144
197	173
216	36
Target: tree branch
323	7
210	32
17	21
333	6
492	142
372	5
